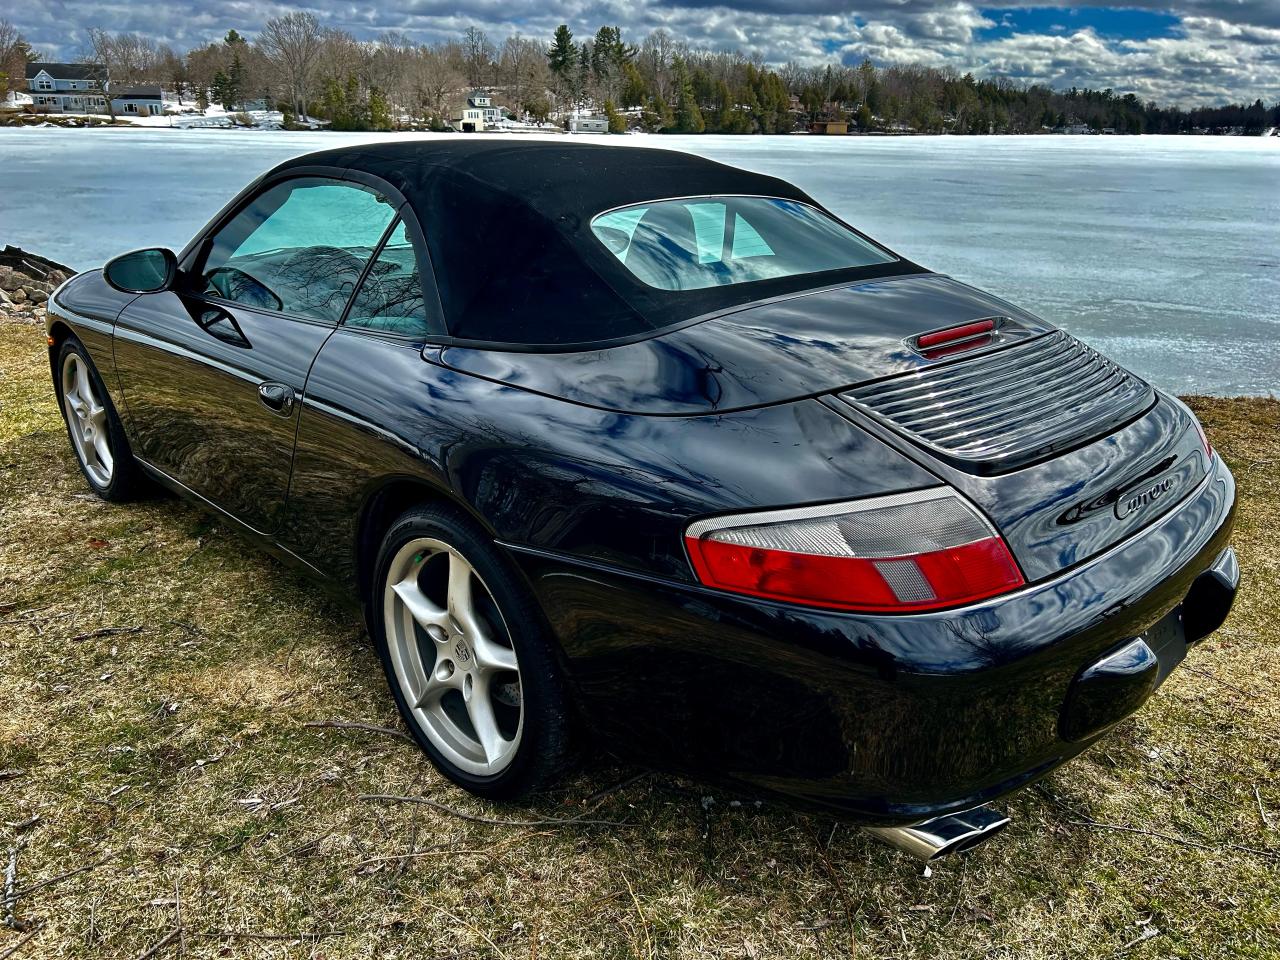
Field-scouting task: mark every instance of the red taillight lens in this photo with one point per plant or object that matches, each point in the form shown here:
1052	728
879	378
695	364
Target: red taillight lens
966	331
918	551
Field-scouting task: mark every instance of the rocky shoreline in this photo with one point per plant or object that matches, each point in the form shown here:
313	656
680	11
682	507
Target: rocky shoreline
27	281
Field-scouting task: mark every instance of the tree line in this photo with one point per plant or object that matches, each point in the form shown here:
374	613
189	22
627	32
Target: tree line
660	83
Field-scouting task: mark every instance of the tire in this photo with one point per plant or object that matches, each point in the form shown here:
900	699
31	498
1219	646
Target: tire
94	428
450	617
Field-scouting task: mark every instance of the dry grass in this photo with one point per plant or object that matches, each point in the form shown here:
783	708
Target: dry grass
172	766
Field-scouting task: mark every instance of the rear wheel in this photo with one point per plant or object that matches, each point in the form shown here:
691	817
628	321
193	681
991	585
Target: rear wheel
468	660
97	435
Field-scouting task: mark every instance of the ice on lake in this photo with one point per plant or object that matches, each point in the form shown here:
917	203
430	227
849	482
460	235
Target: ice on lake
1163	252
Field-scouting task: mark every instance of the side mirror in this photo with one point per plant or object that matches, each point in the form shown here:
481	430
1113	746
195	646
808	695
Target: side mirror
142	271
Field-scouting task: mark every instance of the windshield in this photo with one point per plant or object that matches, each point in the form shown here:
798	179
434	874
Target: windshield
703	242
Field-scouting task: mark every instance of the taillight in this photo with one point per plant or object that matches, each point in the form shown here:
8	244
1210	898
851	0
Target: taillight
923	550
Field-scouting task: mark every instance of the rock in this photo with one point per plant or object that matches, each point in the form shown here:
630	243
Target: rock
38	296
10	279
18	296
4	299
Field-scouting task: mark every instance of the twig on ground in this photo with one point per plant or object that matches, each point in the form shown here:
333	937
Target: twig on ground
11	773
491	821
610	790
1226	683
190	628
1262	811
163	943
644	923
10	881
255	935
446	851
1148	931
22	942
1174	838
845	899
27	891
105	632
351	725
177	918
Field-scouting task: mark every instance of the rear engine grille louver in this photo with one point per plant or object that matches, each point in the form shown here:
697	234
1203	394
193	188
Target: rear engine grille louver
1008	407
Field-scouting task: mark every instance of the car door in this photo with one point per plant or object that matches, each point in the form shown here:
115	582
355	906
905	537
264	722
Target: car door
212	372
357	429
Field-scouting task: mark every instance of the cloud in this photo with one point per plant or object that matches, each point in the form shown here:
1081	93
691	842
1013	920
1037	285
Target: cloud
1217	50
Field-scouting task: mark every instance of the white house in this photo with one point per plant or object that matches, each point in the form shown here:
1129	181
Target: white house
588	125
66	87
478	114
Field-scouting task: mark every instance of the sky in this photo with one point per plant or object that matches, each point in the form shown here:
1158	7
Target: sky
1187	52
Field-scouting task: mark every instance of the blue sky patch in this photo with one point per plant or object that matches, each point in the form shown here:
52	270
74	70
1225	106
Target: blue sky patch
1114	22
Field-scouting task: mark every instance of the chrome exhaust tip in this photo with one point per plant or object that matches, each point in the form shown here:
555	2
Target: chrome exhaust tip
943	835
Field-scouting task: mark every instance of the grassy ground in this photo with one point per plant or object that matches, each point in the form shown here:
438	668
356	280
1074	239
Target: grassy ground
162	789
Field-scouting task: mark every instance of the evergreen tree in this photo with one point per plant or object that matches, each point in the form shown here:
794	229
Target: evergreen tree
379	110
634	88
562	56
617	122
688	114
233	90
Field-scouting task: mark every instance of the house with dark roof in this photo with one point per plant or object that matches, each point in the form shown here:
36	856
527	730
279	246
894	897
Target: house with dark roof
142	101
67	87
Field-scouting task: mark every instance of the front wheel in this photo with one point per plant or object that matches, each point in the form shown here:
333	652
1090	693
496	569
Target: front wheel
467	657
96	433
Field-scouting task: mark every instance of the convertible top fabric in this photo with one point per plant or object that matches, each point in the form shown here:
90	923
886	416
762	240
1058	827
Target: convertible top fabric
507	226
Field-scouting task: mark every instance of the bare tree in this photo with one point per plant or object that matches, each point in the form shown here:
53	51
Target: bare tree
657	53
292	43
522	69
15	54
479	56
435	80
125	59
390	70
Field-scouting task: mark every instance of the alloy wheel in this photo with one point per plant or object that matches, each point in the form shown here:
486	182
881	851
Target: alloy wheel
87	417
452	656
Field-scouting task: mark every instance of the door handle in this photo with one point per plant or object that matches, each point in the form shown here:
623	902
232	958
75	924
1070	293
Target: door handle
276	397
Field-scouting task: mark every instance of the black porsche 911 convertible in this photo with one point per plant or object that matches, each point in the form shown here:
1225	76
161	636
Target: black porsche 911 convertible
626	441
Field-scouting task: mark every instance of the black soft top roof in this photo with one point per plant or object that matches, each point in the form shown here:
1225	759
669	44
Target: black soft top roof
507	225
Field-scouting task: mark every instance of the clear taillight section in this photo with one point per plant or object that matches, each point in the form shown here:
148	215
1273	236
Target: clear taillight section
923	550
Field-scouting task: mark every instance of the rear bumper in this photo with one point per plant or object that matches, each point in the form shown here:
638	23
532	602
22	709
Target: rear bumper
888	719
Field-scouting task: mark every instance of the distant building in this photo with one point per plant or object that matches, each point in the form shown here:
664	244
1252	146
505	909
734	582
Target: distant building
829	126
478	114
143	101
588	124
482	101
66	87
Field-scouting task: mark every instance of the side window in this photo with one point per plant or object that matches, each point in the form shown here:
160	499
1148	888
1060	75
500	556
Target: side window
298	247
391	297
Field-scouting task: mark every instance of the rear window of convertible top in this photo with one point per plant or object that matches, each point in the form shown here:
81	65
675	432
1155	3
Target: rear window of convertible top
700	242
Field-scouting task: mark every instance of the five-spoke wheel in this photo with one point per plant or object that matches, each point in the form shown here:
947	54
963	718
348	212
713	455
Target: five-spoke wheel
97	436
86	419
452	655
467	655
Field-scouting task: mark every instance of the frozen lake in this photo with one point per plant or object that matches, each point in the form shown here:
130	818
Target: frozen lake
1164	252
